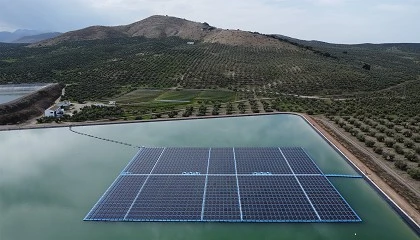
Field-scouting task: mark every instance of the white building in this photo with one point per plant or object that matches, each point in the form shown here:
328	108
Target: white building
190	43
54	111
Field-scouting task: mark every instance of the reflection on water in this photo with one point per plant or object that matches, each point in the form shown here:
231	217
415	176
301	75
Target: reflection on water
50	178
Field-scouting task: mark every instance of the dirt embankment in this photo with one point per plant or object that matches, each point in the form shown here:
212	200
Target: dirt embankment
32	105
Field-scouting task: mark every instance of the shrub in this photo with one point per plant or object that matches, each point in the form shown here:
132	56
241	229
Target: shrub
389	133
365	128
411	156
354	132
337	120
369	143
380	137
172	114
407	133
202	110
368	121
361	137
372	132
348	128
398	149
389	142
215	112
400	164
388	156
381	128
398	129
378	150
408	143
416	138
414	173
417	149
399	138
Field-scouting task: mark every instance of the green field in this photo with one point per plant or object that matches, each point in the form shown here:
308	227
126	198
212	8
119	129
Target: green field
179	95
139	96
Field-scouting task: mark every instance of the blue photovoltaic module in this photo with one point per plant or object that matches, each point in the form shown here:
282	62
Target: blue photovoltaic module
222	185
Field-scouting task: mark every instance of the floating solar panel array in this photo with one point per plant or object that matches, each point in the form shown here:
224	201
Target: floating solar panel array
222	185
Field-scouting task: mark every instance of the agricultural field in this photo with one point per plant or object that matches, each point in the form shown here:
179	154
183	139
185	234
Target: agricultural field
395	139
101	69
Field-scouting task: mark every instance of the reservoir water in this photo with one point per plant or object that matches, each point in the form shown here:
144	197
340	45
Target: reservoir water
11	92
51	178
7	97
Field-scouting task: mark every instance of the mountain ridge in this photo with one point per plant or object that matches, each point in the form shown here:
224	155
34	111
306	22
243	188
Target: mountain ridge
159	26
24	35
37	38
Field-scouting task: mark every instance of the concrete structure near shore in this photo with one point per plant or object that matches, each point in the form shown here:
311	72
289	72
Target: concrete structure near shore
54	111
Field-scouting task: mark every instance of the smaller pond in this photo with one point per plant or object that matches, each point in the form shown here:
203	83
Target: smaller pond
10	92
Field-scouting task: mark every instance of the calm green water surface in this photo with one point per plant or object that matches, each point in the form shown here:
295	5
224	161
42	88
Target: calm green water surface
50	179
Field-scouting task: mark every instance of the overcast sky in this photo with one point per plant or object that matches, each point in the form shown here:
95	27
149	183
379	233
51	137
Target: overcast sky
338	21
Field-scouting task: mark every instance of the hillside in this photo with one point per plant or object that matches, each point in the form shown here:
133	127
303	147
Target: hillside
101	63
164	26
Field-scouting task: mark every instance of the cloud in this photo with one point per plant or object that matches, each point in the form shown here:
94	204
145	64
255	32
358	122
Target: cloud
392	7
328	2
49	14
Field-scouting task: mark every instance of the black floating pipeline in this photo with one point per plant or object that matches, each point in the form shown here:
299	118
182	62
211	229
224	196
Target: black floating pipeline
103	139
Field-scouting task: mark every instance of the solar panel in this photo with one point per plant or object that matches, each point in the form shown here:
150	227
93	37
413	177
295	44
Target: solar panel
222	184
274	198
327	201
299	161
221	201
144	161
260	160
182	160
222	161
176	198
116	201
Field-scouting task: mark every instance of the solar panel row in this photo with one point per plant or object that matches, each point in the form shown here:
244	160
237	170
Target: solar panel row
260	197
117	200
222	161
